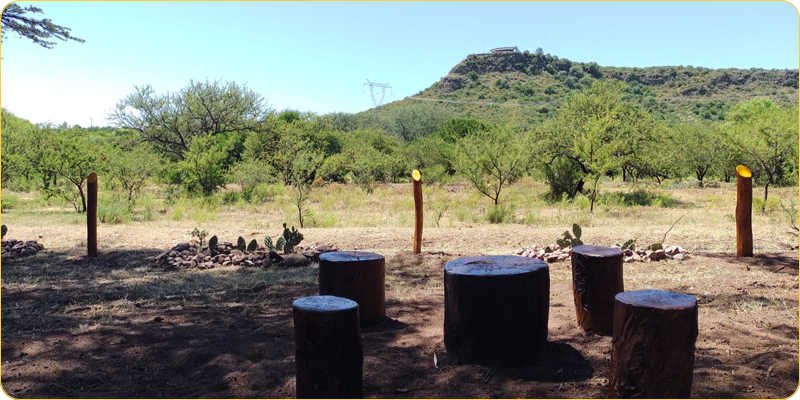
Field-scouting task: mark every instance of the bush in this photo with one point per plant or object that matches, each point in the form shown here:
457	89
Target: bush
500	214
563	177
251	173
639	197
8	201
112	212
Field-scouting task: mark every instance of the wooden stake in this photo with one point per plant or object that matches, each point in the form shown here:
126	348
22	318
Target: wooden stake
744	211
416	178
91	214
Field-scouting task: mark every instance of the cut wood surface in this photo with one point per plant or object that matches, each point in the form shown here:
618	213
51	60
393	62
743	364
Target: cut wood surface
358	276
653	345
596	279
328	352
496	309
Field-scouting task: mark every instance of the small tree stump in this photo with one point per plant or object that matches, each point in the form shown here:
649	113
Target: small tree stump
358	276
653	345
328	353
496	309
596	279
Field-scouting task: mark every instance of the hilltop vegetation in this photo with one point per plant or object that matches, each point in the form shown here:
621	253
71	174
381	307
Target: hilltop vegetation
535	84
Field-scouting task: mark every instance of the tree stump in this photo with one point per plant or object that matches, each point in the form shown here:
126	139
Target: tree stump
328	353
653	345
596	279
358	276
496	309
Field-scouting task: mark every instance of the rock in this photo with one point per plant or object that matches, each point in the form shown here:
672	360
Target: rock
27	252
636	257
313	255
327	248
248	263
627	259
181	247
295	260
226	263
550	258
563	257
627	252
679	257
657	255
671	250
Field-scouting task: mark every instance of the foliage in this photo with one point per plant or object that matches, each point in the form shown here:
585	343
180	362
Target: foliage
69	156
568	240
416	120
286	241
598	131
766	133
563	176
172	121
200	236
38	30
249	174
203	168
698	145
130	170
492	159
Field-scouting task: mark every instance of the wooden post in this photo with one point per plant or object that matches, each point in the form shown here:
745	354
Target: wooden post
359	276
744	212
91	214
653	345
329	357
496	309
596	279
416	179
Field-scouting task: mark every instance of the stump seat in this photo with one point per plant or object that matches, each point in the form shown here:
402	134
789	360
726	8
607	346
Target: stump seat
596	279
653	345
496	309
328	352
358	276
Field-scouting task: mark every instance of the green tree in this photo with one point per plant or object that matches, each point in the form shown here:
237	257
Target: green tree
416	120
492	159
303	169
72	157
203	169
14	19
170	122
598	131
130	170
766	133
698	145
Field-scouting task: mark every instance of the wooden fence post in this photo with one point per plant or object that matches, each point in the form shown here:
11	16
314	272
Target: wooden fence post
416	178
744	212
91	214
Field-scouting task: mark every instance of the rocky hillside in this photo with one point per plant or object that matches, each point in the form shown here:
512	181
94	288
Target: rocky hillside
494	86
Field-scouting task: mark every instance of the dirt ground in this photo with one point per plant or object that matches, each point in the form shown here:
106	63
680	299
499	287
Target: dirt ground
118	327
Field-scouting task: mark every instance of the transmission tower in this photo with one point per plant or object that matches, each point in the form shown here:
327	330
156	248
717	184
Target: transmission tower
383	86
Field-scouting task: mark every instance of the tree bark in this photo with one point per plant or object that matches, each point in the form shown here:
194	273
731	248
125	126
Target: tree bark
744	212
91	214
596	279
328	353
496	309
653	345
358	276
416	179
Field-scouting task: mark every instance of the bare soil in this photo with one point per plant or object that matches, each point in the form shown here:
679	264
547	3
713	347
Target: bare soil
118	327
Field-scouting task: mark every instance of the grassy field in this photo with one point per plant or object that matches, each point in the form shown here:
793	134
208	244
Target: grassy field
119	326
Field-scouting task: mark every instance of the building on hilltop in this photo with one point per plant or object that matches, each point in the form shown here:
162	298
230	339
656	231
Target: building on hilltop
505	50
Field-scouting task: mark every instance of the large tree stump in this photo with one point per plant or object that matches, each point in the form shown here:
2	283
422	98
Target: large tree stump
653	345
496	309
596	279
358	276
328	353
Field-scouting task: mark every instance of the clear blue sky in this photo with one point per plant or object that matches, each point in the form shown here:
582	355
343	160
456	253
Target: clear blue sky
316	56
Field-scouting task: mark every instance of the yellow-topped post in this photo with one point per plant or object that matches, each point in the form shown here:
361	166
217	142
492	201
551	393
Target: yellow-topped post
416	179
91	214
744	211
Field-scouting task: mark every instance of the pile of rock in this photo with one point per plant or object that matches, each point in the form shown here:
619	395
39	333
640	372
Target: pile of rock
555	253
184	256
17	248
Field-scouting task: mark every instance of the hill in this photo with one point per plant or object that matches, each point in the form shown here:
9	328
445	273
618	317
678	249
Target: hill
494	86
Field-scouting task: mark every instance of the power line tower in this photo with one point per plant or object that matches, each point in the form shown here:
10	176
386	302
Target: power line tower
383	87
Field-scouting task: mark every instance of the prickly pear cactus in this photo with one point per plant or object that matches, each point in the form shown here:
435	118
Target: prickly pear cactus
253	246
212	246
4	231
280	243
268	243
568	240
292	238
241	244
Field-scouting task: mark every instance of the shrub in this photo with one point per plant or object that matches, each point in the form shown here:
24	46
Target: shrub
251	173
499	214
112	212
563	177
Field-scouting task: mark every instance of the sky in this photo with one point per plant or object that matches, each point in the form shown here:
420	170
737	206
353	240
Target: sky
317	56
